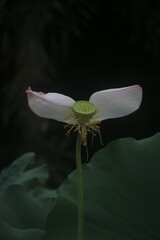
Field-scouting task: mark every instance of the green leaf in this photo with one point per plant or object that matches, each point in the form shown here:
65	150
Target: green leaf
121	194
21	210
19	173
23	215
24	200
7	232
10	175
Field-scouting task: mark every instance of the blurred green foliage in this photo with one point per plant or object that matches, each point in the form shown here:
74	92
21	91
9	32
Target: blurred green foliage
121	196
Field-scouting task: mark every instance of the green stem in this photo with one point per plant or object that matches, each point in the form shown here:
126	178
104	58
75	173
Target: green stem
79	188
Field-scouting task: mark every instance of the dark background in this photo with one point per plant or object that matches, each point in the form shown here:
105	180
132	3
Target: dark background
75	48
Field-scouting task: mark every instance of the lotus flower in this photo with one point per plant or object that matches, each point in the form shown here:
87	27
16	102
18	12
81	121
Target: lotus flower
85	116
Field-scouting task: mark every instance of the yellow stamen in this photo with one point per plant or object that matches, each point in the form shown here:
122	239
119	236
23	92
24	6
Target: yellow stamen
83	113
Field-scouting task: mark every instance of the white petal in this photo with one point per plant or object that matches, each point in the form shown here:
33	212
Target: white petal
118	102
51	105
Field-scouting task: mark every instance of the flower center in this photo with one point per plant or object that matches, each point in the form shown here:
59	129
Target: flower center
82	114
84	110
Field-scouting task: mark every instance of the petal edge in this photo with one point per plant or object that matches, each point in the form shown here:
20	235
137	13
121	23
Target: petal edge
118	102
51	105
